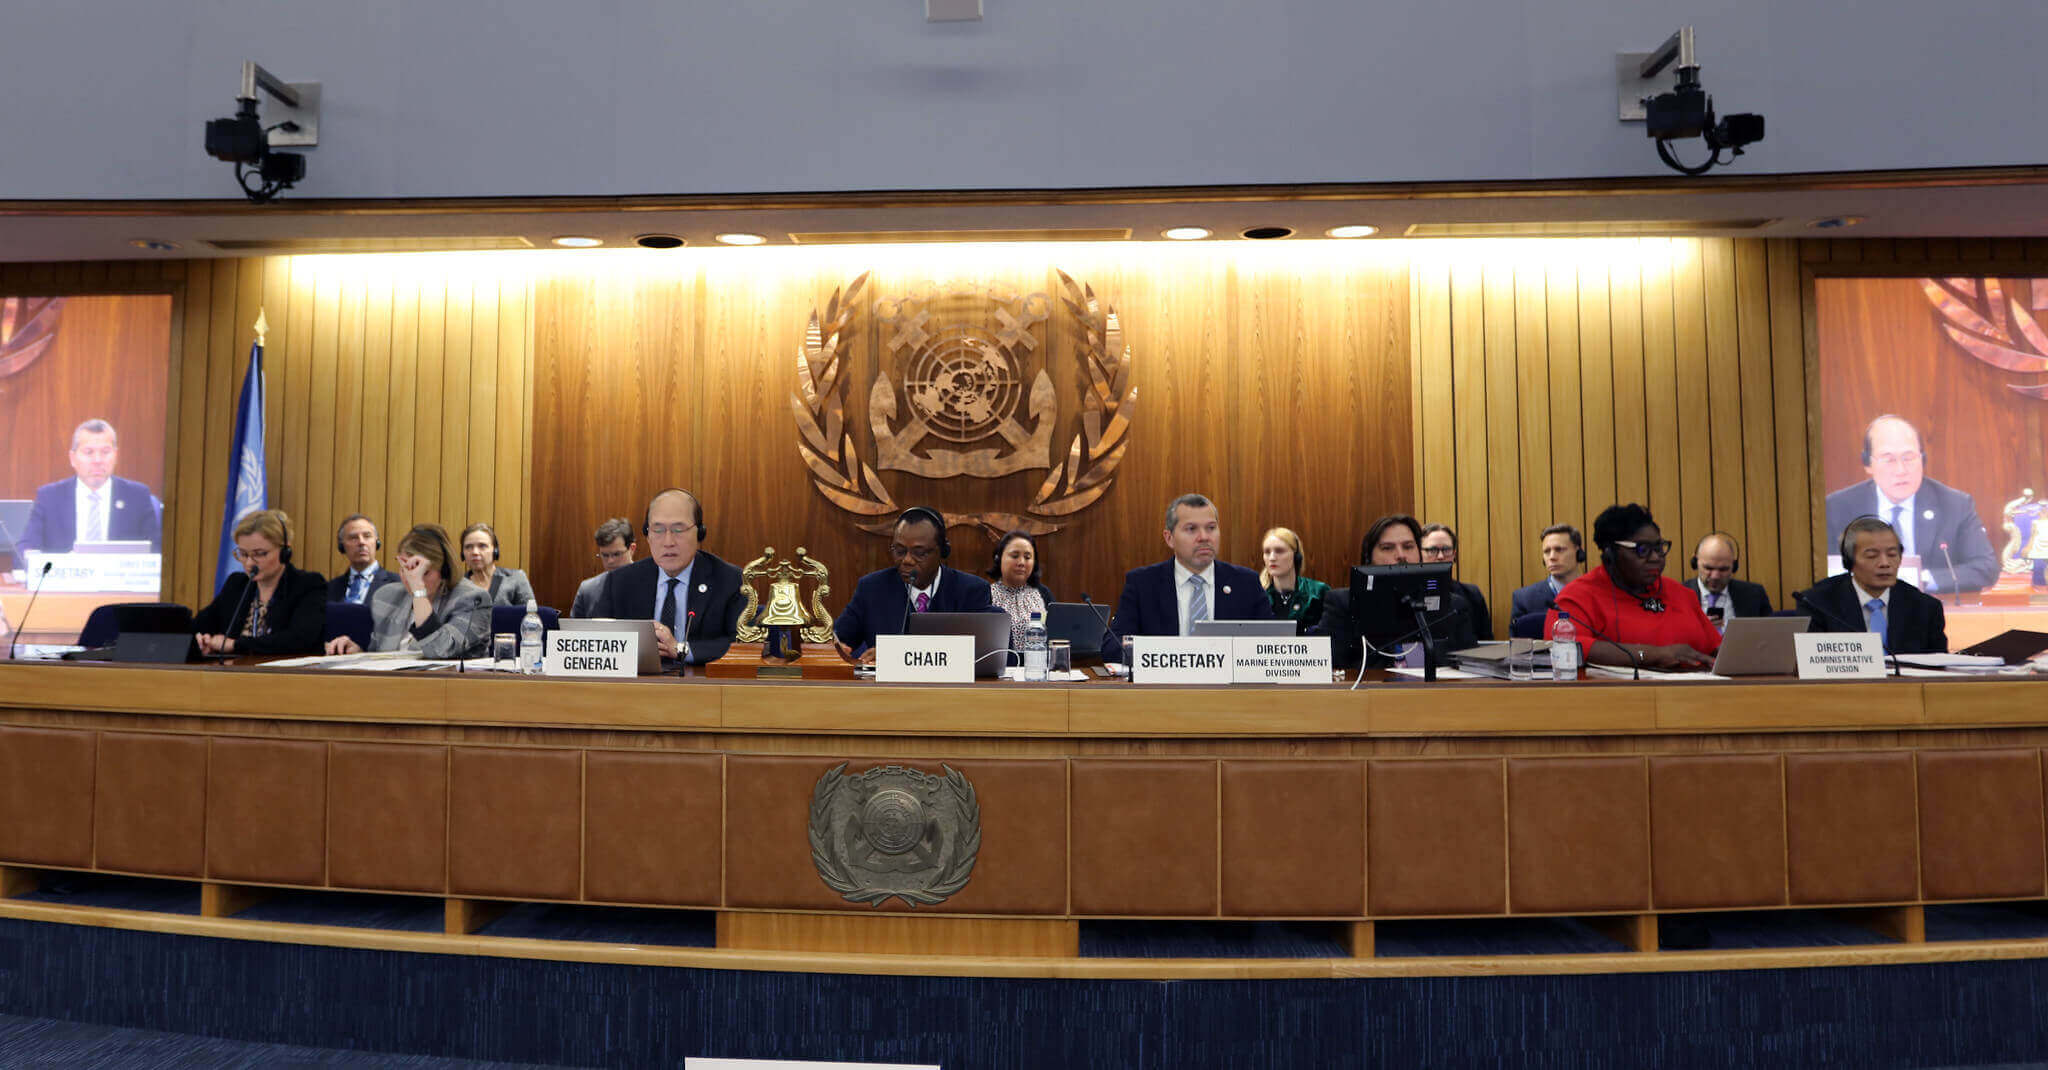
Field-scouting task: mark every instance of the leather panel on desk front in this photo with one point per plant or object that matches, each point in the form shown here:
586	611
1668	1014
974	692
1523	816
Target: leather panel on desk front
515	822
1293	838
1980	824
46	796
1851	829
651	827
266	811
1717	831
1144	837
1019	869
1436	837
149	804
387	817
1578	835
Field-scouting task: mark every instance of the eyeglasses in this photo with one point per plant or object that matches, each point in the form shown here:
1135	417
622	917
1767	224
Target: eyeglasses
919	554
251	557
665	530
1660	548
1438	551
1897	460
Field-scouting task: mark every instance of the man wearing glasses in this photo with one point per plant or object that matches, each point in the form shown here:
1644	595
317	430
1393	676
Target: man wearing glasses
1926	513
685	590
1627	612
918	582
614	550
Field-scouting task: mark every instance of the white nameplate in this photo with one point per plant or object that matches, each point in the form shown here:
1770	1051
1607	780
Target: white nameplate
600	654
133	573
1840	655
1180	659
924	659
1280	660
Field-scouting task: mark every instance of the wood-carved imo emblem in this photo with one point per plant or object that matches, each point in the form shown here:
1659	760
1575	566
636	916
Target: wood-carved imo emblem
892	832
965	385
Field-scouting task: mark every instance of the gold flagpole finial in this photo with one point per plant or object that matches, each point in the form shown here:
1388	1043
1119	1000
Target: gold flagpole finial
262	325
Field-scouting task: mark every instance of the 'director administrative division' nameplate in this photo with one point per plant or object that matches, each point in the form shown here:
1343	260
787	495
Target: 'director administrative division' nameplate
592	654
1840	655
1261	659
924	659
1180	659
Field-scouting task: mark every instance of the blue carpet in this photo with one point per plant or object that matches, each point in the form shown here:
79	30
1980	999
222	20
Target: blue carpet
608	925
1488	936
1212	940
39	1043
121	893
356	910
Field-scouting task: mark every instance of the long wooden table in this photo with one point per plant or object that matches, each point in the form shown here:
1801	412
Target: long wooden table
1101	800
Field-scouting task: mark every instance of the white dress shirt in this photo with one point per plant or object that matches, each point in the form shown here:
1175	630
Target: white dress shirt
1181	592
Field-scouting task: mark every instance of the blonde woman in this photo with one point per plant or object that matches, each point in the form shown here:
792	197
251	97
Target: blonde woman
1294	596
269	607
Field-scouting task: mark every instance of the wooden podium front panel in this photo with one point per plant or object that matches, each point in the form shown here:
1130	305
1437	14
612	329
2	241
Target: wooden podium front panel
515	822
266	811
387	816
46	796
1578	835
1145	837
651	827
1981	824
1852	830
1293	838
1717	831
149	804
1437	837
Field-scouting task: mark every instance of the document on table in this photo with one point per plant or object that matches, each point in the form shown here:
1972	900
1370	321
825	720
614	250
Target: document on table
1987	662
1443	674
391	661
1623	672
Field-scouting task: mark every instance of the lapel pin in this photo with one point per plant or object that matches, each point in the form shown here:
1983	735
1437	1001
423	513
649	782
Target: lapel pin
1927	514
703	587
1226	590
123	505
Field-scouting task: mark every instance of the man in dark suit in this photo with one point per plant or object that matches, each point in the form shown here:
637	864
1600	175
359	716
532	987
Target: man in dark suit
358	541
1440	547
1870	597
684	589
1723	597
1564	558
94	505
1169	597
1394	539
1927	514
919	582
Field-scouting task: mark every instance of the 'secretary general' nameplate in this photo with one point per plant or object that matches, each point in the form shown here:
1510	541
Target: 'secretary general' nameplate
1259	659
592	654
924	659
1839	655
1180	659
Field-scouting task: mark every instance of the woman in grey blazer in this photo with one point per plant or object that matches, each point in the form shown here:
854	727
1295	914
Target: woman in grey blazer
428	610
505	586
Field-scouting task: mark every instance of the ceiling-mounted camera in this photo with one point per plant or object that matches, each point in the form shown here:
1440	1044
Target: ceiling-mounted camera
1685	111
246	142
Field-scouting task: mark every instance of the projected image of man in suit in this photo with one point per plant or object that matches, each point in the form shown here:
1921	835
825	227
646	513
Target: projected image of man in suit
1927	514
94	505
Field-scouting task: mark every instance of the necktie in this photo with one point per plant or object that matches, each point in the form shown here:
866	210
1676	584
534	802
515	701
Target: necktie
96	520
1198	601
1878	623
668	606
1905	543
355	588
924	602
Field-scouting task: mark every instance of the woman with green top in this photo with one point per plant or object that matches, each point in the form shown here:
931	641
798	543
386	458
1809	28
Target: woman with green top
1294	596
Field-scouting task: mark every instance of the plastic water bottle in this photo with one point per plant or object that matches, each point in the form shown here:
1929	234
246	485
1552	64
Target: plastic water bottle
531	642
1564	649
1032	646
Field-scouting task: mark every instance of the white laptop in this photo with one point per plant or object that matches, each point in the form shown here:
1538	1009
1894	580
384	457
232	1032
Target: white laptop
1760	646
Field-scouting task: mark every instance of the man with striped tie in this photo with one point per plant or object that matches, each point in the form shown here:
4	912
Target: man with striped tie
358	541
1168	598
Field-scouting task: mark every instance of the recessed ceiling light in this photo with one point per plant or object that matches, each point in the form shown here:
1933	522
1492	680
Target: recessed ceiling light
659	241
1186	233
740	239
1353	230
577	241
1836	222
154	245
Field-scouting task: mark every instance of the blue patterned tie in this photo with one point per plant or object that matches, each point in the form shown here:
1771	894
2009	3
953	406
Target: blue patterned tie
1198	601
355	588
1878	623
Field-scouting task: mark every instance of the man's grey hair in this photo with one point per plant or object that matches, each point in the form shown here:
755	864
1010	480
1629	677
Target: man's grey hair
615	528
94	426
1192	501
1857	527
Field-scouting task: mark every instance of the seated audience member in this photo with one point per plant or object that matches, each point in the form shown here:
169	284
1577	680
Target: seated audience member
505	586
1627	612
614	549
1723	597
428	609
358	542
94	504
1169	597
1871	597
1926	514
919	582
1292	595
1440	547
1019	589
683	588
1564	558
1395	539
284	613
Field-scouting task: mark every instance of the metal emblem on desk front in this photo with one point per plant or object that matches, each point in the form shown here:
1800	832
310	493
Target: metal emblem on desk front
894	832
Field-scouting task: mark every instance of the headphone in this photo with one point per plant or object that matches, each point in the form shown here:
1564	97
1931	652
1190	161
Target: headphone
1297	555
440	538
1846	545
696	506
1734	565
917	513
352	518
486	529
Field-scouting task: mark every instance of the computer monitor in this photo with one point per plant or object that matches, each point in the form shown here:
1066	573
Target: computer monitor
1394	604
13	518
154	632
1080	624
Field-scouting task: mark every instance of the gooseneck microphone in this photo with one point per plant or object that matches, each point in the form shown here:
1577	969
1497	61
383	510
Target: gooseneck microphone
683	641
1883	641
14	642
247	590
1103	612
1956	595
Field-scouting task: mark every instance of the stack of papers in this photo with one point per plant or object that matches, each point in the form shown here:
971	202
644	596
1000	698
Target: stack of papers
1956	662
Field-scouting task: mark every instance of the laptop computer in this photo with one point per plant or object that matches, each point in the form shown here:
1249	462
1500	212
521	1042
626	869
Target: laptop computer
160	634
1080	624
1760	646
13	518
991	632
1245	628
650	651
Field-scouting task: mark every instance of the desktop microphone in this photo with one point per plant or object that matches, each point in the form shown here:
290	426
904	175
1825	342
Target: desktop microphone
1102	612
683	642
15	642
248	590
1957	601
1883	643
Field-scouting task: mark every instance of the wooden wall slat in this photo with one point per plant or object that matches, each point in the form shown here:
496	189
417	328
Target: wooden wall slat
220	393
401	393
1723	383
1596	385
481	500
1468	374
1567	389
427	421
183	510
458	341
1532	359
1757	443
342	494
1688	389
373	473
1632	447
1436	485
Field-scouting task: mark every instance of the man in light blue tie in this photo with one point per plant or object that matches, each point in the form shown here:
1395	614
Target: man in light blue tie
359	543
1871	596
